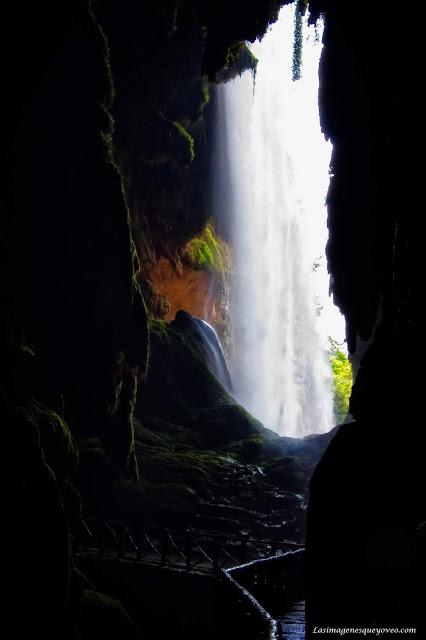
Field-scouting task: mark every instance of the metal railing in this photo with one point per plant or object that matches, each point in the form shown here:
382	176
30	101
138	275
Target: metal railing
248	612
186	549
267	588
258	591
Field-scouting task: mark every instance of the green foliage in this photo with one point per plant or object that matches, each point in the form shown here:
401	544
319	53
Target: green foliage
200	254
208	251
159	327
187	137
342	380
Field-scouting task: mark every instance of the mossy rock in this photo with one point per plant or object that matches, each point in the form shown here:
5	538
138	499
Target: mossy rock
207	251
256	447
180	389
291	473
179	383
225	422
59	446
162	466
196	469
102	616
185	146
166	502
173	497
239	58
160	433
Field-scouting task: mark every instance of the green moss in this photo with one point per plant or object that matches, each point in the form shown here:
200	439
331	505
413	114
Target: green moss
225	422
239	58
164	435
135	262
179	382
196	469
159	327
208	251
239	55
59	446
205	91
255	447
164	335
200	254
187	137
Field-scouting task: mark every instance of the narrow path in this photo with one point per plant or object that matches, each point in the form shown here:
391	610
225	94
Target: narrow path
293	623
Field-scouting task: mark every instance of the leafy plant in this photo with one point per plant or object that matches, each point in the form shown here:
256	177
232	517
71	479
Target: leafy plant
301	6
342	380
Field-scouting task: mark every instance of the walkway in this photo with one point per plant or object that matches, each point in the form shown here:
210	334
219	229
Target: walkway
256	591
293	623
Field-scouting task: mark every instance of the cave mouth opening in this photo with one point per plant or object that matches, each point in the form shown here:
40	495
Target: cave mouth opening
288	355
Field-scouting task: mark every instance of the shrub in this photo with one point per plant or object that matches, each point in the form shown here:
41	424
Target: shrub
342	380
208	251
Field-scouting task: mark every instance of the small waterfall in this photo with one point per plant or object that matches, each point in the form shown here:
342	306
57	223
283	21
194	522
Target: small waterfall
271	181
205	338
216	357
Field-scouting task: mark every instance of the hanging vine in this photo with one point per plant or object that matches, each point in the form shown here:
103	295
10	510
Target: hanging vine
298	39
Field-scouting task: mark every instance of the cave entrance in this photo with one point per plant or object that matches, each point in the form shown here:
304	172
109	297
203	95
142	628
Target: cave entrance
288	356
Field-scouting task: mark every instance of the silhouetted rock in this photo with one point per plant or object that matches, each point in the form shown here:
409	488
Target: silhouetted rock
225	422
102	616
205	340
365	505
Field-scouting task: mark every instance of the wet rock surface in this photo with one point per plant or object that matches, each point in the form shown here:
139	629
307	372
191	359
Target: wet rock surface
205	461
366	487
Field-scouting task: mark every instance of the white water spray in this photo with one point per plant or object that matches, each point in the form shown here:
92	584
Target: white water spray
277	161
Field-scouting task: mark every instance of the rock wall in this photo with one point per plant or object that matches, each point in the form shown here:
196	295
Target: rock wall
104	157
164	78
98	102
73	330
364	544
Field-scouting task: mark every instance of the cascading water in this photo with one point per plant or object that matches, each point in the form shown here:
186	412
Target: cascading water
273	173
203	335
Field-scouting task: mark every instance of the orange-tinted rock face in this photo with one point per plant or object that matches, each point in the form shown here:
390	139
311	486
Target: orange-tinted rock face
186	288
200	292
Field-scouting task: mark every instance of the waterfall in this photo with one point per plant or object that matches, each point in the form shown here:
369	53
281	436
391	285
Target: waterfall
271	182
205	339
